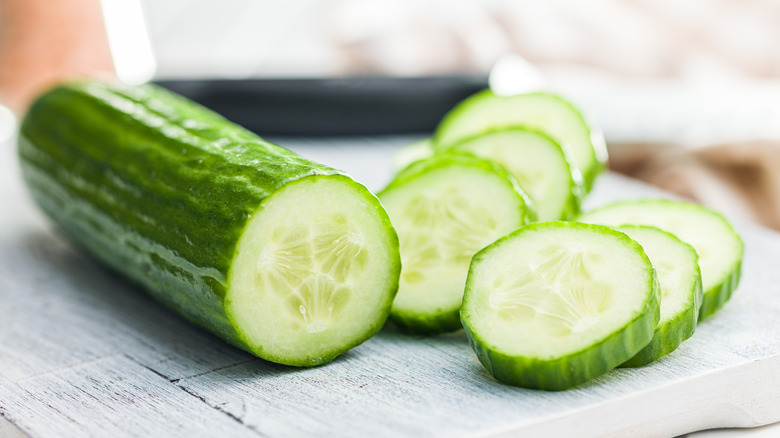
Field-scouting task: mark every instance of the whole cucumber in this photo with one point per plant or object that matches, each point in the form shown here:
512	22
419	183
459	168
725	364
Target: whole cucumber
288	259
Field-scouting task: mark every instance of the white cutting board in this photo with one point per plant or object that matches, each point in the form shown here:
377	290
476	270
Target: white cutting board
82	353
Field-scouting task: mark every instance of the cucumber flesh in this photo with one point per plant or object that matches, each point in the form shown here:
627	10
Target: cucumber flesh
486	111
538	163
554	304
445	209
717	244
306	271
676	265
415	151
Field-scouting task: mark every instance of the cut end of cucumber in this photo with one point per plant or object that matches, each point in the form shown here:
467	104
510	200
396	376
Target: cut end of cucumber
554	304
314	273
443	215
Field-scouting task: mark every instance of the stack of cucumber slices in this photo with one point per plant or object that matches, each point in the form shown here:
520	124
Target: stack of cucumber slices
554	303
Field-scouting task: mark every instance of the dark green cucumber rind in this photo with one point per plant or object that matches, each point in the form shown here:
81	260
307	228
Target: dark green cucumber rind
715	297
580	366
422	167
113	173
670	335
667	338
429	324
578	190
595	137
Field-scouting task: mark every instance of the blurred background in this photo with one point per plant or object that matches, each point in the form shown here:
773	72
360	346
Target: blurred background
687	93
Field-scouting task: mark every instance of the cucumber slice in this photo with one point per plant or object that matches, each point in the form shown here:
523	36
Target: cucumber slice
445	209
288	259
717	244
677	268
538	163
555	304
415	151
486	111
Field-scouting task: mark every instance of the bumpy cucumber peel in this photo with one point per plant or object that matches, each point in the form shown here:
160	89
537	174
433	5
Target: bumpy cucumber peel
687	221
486	111
510	315
440	226
288	259
676	265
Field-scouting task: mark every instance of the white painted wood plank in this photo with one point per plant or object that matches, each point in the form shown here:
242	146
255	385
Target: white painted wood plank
112	397
60	308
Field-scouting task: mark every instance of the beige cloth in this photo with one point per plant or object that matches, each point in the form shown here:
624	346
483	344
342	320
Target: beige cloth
740	179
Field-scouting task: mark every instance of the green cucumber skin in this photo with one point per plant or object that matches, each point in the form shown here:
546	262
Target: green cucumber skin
576	368
447	321
667	338
597	139
158	188
716	297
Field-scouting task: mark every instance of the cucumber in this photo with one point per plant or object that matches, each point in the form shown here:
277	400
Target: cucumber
717	244
486	111
538	163
445	209
555	304
288	259
677	268
415	151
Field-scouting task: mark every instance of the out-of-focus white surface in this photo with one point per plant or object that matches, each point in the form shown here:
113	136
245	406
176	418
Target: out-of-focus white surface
128	40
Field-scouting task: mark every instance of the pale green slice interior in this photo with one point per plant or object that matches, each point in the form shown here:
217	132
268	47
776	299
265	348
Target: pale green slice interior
676	266
313	270
716	243
553	291
415	151
443	217
548	113
538	164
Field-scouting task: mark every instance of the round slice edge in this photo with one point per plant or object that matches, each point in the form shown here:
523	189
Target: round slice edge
676	265
314	273
555	304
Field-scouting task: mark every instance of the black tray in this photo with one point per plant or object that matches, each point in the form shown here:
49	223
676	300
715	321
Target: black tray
335	107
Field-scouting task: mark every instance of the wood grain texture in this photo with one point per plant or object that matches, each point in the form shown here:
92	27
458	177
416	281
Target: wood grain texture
83	353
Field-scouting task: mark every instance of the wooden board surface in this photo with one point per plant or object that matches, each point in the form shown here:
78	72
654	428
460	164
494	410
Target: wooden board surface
82	353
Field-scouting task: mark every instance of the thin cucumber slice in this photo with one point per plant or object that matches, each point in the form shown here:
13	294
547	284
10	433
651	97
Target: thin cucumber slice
415	151
445	209
555	304
677	268
718	245
538	163
486	111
